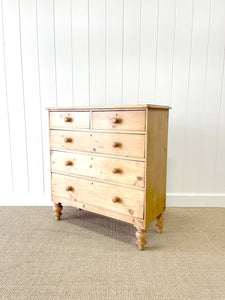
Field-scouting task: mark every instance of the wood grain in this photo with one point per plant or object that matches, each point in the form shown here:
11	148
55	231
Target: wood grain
100	155
99	194
87	174
76	120
159	224
141	235
109	107
156	164
119	120
109	169
57	208
137	222
127	145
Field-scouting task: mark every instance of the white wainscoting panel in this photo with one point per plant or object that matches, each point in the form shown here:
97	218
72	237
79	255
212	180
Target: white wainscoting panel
106	52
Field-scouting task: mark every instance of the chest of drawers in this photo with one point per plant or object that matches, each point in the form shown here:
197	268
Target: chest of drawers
111	160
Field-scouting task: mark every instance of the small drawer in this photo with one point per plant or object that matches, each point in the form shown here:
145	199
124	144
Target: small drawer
108	196
133	120
122	171
70	120
130	145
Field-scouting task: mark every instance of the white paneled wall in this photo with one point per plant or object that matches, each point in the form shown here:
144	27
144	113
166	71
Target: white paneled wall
100	52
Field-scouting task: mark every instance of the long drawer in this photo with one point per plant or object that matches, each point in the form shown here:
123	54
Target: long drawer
69	120
119	199
119	120
123	171
131	145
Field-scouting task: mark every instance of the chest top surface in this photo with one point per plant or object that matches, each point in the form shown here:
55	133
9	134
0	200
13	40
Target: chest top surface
122	107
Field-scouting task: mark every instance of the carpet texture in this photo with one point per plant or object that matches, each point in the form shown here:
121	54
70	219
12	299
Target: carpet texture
87	256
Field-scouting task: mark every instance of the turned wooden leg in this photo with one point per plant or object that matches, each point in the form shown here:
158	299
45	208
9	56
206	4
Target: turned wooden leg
57	210
141	235
159	224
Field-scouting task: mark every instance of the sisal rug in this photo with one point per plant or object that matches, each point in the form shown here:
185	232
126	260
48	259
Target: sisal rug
87	256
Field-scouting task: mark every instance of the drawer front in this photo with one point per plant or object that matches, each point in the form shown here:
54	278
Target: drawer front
116	170
111	197
131	145
70	120
119	120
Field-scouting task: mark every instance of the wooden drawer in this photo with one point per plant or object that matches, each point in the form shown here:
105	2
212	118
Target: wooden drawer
70	120
131	145
116	170
128	201
119	120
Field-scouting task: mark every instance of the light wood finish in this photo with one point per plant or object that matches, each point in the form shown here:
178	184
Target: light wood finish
109	107
99	154
119	120
57	208
109	169
71	120
99	194
137	222
156	163
141	235
106	143
103	130
159	224
116	167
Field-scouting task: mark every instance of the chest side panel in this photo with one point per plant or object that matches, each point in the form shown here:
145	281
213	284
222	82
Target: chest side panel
156	163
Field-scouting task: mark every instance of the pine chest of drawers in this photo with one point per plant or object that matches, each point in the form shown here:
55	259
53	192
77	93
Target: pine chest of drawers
111	160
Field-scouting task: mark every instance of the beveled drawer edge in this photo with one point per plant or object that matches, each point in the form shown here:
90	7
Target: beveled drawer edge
100	130
99	154
98	180
137	222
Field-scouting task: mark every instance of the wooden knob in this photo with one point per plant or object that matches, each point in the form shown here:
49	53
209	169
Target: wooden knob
68	163
69	188
68	119
115	199
115	120
115	170
68	140
115	144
